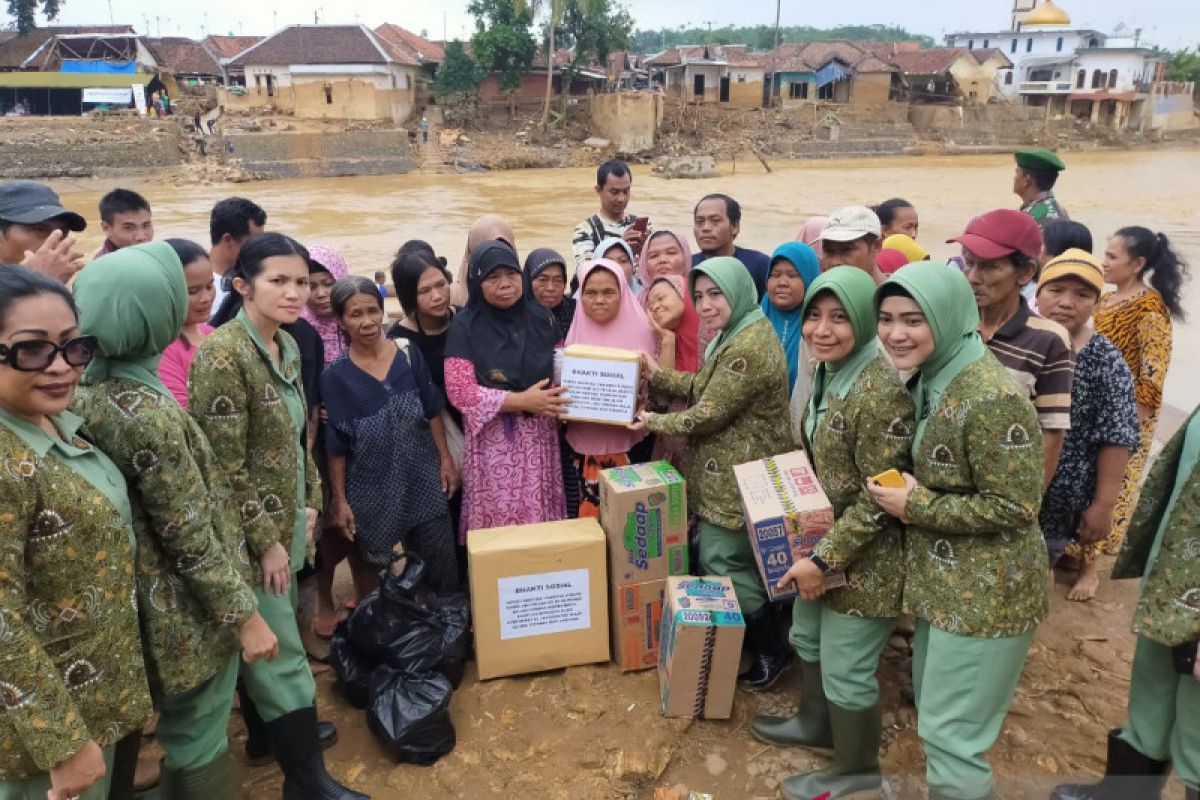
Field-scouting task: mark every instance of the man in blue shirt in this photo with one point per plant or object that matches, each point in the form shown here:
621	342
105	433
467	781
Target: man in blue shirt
718	220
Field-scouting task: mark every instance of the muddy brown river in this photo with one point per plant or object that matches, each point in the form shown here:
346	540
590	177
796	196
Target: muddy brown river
368	217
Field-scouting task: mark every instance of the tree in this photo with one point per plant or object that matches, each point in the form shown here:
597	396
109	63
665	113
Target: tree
1184	65
503	42
457	81
23	12
592	29
556	10
762	37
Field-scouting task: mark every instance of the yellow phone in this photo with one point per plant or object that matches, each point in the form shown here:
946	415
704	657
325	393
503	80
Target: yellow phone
892	479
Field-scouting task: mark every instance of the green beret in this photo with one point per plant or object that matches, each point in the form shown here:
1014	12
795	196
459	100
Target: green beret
1039	160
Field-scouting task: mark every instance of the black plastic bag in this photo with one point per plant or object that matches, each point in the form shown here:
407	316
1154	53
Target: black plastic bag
353	672
410	713
454	615
383	623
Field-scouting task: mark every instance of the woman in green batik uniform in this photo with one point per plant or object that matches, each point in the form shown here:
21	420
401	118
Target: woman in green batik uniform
976	564
737	412
1162	547
246	394
859	423
192	568
72	682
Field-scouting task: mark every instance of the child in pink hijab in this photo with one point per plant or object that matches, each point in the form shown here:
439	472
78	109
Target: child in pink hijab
607	315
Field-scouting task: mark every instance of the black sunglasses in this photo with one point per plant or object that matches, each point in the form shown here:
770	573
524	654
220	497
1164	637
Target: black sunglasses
36	355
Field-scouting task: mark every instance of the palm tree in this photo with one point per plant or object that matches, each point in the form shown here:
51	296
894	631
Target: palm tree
556	10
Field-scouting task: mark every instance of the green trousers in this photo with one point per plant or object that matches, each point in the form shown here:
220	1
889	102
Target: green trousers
850	648
192	725
35	788
805	633
1164	711
728	553
963	687
286	684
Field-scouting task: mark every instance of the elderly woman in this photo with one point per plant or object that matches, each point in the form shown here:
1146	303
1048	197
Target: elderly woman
74	681
970	508
546	272
737	411
134	301
499	365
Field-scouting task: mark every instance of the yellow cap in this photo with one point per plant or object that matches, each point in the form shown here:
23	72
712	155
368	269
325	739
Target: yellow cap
1074	263
907	245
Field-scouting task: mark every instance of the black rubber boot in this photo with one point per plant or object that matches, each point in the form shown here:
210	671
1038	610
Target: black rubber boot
1128	774
294	740
258	741
810	725
854	772
213	780
770	652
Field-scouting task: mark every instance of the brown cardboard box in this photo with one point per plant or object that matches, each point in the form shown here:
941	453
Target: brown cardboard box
787	513
702	631
602	382
637	624
643	508
538	596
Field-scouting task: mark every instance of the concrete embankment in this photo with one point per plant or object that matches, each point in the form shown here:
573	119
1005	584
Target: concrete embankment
320	154
72	147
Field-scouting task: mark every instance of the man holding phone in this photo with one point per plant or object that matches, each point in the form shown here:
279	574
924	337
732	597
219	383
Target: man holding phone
613	183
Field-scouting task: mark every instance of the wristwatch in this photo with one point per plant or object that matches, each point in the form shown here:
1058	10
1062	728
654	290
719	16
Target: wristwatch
820	562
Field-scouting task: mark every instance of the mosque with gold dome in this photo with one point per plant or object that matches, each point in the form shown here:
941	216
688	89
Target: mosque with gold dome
1108	79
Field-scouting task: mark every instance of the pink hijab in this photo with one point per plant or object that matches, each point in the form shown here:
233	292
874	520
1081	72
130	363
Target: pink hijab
810	233
329	329
630	330
642	271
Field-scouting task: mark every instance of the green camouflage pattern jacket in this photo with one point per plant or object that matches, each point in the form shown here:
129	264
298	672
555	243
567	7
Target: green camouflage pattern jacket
192	565
1163	546
1045	208
737	412
976	559
868	432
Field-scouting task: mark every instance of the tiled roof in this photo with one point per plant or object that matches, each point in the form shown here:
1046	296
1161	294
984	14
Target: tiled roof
323	44
16	50
983	55
230	46
735	55
929	62
811	56
182	56
421	49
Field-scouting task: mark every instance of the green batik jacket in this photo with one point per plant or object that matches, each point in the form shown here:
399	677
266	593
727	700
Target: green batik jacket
70	656
976	559
234	395
192	565
869	432
737	412
1168	610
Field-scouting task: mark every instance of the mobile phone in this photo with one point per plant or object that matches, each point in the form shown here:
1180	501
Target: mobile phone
641	224
891	479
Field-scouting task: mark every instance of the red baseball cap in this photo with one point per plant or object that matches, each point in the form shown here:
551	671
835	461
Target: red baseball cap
999	233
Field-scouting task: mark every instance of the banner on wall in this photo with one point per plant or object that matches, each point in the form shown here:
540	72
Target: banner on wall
114	96
139	98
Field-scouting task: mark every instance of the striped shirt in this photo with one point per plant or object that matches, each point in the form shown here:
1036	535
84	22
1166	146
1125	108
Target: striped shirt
1037	353
592	231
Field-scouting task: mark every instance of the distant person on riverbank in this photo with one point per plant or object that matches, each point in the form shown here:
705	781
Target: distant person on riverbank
35	230
613	185
424	130
852	237
125	219
1037	172
717	221
381	284
232	222
1000	250
897	216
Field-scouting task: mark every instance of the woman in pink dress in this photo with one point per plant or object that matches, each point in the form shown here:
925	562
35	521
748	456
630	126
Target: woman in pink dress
177	358
499	366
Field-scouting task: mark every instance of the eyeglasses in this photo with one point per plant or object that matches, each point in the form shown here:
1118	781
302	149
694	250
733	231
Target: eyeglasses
35	355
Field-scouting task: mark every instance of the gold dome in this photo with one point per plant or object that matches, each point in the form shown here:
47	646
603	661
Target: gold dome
1046	14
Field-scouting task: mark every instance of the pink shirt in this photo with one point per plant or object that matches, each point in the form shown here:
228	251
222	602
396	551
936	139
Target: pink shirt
174	365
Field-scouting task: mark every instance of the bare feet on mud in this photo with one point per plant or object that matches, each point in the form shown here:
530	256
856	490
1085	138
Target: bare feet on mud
1086	584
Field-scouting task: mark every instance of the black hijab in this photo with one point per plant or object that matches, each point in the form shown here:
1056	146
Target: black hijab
538	262
511	348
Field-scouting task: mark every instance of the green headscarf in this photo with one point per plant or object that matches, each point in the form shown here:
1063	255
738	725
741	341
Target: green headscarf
948	303
734	281
134	301
855	290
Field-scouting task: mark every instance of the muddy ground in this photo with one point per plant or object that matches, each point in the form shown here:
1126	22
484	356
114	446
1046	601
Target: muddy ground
592	733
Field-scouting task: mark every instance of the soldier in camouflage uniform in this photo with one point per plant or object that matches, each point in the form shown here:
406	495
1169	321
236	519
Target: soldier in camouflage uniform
1037	172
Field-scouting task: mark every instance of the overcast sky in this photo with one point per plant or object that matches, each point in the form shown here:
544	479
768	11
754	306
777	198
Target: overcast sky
1170	23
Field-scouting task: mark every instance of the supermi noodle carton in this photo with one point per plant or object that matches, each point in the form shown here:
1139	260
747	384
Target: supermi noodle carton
702	632
787	513
636	617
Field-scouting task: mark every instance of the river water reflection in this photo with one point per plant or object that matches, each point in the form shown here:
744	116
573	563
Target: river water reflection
368	217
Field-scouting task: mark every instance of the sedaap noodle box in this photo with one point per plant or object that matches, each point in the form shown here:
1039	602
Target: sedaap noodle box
787	513
643	510
700	648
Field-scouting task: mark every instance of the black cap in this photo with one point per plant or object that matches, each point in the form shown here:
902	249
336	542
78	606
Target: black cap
30	202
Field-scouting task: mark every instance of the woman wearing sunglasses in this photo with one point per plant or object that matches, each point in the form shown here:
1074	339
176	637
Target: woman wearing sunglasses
72	680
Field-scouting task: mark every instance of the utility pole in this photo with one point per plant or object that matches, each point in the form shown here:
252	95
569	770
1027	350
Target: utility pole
111	20
777	3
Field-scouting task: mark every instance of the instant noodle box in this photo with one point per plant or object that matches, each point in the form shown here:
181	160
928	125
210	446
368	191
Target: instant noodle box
643	509
787	513
539	596
637	624
702	632
602	383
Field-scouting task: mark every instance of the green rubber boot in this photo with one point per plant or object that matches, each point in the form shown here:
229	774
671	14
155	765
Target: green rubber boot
212	781
809	727
854	772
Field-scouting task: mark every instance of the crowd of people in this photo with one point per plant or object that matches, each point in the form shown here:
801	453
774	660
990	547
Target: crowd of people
187	432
